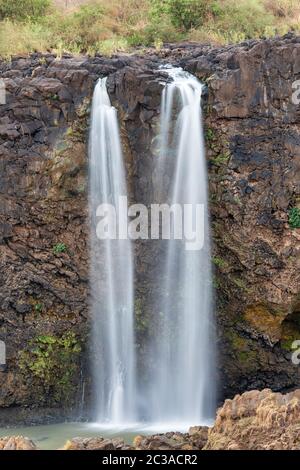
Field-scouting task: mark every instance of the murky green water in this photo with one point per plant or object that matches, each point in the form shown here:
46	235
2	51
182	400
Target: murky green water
54	436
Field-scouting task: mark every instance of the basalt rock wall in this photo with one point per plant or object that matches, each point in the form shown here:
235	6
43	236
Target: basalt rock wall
252	140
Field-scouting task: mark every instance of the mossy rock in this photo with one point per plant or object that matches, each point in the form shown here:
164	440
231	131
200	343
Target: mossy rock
53	363
265	321
243	351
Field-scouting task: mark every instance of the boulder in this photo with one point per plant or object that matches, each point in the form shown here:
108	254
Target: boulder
195	439
16	443
257	420
95	443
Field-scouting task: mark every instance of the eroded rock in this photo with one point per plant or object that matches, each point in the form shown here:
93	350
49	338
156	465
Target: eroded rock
16	443
195	439
95	443
257	420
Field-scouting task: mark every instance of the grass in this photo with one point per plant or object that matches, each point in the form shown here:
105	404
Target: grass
109	26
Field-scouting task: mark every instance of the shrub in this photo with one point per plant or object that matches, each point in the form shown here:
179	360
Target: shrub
162	30
23	9
247	17
78	30
294	217
184	14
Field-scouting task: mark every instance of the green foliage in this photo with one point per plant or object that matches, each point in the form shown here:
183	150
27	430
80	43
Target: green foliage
286	344
53	362
221	263
248	18
294	217
79	30
109	26
140	317
38	307
221	159
240	283
209	134
184	14
290	334
216	283
242	350
59	248
19	10
161	30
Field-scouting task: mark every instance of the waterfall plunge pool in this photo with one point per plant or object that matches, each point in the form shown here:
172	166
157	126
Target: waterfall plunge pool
54	436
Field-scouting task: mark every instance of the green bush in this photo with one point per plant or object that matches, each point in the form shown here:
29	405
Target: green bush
161	30
78	31
19	10
184	14
294	217
248	17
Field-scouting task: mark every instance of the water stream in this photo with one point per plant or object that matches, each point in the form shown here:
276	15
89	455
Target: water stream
111	276
183	382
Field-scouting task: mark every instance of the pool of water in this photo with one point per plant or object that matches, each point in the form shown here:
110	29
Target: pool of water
54	436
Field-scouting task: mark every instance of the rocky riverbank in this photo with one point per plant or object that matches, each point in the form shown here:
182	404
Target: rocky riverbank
255	420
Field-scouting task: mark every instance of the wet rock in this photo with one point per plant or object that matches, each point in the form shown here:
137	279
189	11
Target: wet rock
195	439
95	443
252	141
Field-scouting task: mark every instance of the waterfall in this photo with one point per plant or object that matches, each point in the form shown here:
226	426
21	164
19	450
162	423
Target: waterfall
180	388
111	274
183	381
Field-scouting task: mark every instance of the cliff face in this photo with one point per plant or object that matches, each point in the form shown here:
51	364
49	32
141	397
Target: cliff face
252	142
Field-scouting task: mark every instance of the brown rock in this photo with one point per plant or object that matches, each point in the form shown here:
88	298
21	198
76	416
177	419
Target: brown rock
16	443
94	443
260	420
173	440
252	143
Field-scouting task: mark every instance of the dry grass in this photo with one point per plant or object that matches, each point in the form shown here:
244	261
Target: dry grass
22	39
69	4
109	26
283	8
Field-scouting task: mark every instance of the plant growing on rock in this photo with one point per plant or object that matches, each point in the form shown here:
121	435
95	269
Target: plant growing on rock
294	217
219	262
38	307
59	248
209	134
141	319
53	362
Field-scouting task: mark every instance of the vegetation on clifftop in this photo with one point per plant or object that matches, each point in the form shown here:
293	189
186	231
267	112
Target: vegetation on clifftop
90	26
